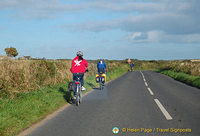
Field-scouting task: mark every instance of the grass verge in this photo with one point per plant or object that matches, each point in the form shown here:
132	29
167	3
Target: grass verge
185	78
28	108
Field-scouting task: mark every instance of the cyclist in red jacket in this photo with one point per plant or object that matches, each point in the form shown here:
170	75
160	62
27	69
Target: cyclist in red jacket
79	65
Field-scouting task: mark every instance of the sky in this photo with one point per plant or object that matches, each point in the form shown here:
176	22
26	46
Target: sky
102	29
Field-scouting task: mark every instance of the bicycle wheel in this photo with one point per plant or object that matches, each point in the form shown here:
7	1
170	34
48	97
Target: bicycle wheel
77	100
101	86
80	97
77	96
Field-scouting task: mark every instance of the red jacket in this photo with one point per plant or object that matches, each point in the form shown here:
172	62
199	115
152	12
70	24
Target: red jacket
78	66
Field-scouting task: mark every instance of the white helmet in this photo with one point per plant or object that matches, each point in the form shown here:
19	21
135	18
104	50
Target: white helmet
101	61
79	53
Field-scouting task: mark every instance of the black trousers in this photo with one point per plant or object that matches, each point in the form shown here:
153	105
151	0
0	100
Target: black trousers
101	70
80	75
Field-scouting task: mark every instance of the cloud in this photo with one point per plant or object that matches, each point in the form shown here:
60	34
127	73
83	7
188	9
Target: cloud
137	36
39	9
156	21
161	37
52	8
167	22
145	20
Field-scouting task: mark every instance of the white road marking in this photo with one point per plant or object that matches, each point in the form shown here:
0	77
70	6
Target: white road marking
146	83
150	91
142	74
164	111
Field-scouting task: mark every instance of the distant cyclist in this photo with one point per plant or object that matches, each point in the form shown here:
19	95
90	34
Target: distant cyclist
132	66
79	65
101	66
101	76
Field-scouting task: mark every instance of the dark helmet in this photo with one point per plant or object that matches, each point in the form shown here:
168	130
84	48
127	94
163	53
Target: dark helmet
79	53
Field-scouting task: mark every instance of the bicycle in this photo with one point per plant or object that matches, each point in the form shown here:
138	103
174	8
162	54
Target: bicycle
77	88
132	69
101	79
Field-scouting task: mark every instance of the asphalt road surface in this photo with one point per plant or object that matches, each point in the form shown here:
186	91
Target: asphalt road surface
138	103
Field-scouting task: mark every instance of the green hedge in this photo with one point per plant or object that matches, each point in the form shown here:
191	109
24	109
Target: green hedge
185	78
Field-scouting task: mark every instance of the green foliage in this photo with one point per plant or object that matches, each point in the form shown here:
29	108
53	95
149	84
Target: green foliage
27	108
185	78
196	82
11	52
183	66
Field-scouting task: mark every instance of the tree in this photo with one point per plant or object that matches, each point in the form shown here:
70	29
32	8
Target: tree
11	52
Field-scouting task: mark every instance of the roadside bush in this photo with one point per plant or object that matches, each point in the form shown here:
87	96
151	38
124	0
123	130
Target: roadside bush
196	82
50	67
29	75
185	78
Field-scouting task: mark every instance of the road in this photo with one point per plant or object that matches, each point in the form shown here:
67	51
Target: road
138	103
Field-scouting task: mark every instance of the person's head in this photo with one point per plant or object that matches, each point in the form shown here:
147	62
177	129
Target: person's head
80	54
101	61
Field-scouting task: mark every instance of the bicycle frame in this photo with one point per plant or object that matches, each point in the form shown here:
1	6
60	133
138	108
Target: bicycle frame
78	91
132	69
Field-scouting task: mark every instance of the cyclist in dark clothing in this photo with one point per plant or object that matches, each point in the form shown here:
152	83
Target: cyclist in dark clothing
132	65
102	69
101	66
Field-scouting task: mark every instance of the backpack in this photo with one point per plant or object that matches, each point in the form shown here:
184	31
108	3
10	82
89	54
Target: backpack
71	86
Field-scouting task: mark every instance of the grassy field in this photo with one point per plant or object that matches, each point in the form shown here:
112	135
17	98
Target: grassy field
26	76
28	107
186	71
184	66
185	78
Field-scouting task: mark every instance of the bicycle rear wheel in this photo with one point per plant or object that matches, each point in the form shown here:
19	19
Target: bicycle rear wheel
77	95
77	100
80	97
101	86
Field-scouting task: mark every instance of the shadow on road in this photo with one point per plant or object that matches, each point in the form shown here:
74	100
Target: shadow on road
67	94
93	86
96	88
90	84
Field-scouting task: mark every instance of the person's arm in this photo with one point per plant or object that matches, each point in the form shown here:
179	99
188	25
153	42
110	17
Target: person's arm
86	65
